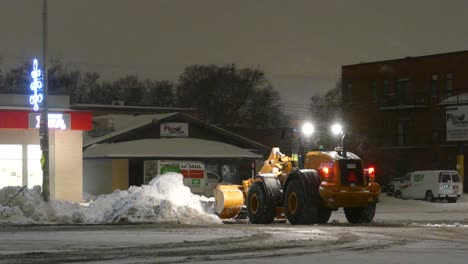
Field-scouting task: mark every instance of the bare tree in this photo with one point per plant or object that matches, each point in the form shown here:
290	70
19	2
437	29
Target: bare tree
159	93
224	95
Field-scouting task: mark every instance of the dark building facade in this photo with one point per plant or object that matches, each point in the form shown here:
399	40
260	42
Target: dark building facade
396	112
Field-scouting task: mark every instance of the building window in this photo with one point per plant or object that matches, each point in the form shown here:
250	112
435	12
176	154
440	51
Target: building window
402	90
375	92
435	84
386	88
349	88
11	165
449	83
402	132
34	166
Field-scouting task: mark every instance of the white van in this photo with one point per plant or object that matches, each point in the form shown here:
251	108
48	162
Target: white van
429	185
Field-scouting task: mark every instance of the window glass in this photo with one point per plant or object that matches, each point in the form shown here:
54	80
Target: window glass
229	173
435	85
11	165
449	83
455	177
375	92
213	176
403	90
407	177
402	131
34	166
445	177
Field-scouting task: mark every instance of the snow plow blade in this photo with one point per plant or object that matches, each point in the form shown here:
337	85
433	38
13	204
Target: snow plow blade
229	200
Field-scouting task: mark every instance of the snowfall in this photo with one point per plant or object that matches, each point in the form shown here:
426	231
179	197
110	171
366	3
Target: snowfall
167	199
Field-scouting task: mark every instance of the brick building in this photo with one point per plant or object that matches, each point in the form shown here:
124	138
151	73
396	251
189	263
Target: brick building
396	111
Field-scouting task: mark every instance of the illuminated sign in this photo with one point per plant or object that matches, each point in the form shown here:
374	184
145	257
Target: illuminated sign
55	121
457	123
36	86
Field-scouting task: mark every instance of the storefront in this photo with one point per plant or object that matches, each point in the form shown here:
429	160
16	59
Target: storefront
132	150
20	152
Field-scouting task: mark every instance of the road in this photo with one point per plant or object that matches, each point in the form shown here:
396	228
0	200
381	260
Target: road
236	242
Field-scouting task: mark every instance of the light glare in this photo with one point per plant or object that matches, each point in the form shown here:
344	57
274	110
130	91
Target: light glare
337	129
307	129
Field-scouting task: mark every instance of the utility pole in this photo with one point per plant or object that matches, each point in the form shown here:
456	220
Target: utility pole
44	124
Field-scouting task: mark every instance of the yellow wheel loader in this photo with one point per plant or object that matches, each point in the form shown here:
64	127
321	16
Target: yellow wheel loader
328	180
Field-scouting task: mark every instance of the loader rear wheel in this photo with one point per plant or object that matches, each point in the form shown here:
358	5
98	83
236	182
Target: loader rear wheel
299	207
258	210
358	215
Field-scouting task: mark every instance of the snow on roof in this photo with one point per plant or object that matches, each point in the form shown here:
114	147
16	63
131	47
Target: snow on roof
456	99
168	148
124	123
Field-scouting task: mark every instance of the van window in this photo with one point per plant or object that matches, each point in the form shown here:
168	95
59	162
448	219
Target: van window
444	177
418	178
213	176
407	177
455	177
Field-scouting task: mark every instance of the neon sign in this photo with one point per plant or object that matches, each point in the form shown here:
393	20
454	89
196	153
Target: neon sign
36	86
53	121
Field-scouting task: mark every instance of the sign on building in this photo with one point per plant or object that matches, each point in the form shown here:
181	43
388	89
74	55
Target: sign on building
55	121
457	123
174	130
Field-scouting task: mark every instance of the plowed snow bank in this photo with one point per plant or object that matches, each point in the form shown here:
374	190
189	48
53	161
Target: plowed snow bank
165	199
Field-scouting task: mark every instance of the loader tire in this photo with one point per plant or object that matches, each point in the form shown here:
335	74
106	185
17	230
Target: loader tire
359	215
299	207
258	209
324	215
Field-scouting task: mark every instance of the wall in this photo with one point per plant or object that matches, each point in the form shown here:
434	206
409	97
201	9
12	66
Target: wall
119	174
66	157
97	176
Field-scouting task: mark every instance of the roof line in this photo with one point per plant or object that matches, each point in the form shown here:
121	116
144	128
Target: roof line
208	125
127	107
408	57
119	132
226	132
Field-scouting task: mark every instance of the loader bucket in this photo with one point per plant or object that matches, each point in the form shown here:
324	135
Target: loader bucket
229	200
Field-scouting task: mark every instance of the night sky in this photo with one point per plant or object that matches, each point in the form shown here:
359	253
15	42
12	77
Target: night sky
300	44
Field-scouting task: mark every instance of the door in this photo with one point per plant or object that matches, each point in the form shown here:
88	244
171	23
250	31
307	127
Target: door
404	185
135	173
445	184
456	183
416	190
212	180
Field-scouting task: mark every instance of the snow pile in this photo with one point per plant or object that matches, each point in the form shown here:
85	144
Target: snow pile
447	225
165	199
27	207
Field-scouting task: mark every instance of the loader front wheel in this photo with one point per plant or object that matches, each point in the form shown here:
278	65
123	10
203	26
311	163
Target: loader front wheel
299	207
324	215
358	215
258	209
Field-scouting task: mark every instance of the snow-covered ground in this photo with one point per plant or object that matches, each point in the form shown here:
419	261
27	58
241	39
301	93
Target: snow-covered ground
165	199
185	230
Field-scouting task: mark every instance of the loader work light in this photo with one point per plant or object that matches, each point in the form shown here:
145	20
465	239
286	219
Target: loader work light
337	129
307	129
